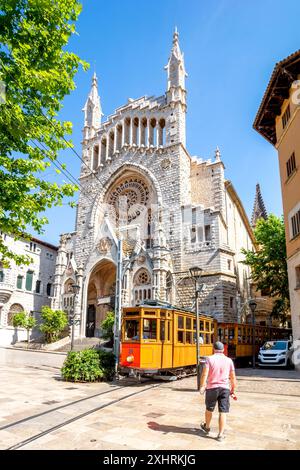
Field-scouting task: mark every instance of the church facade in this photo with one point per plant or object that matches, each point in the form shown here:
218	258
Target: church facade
172	211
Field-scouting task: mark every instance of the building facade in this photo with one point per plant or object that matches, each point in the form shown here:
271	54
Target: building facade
25	288
172	210
278	120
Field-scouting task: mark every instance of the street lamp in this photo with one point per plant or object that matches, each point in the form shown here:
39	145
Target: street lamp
253	305
76	289
196	273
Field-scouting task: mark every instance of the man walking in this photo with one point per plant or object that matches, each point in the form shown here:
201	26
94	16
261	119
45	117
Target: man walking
219	381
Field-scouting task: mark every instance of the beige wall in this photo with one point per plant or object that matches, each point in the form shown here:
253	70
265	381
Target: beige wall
288	142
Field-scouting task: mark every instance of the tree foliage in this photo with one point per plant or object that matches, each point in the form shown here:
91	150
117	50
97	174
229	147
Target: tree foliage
268	264
108	326
24	320
37	72
53	323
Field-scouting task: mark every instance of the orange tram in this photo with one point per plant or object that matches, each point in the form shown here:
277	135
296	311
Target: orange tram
161	340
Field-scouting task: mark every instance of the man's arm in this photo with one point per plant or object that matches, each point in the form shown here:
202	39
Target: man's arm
203	379
233	381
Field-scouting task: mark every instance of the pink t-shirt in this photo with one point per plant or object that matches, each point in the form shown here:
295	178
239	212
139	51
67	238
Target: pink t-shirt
220	367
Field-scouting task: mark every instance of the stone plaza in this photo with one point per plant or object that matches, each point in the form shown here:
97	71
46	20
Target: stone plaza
128	416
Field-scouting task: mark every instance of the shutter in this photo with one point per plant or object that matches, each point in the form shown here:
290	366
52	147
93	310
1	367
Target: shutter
29	278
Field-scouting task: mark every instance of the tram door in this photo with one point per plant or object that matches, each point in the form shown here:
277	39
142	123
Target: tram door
90	321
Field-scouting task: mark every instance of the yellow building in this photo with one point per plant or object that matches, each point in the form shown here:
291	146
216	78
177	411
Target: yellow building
278	120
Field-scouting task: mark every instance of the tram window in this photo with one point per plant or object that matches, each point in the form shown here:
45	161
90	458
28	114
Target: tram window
231	333
149	328
131	314
207	338
239	335
180	322
180	337
188	323
201	325
188	337
162	330
162	314
169	337
194	324
132	329
207	326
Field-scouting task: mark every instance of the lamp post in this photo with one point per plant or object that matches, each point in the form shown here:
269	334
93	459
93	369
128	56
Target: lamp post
196	272
76	289
253	305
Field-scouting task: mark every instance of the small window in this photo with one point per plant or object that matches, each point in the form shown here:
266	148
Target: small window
48	290
180	322
295	224
297	269
132	330
20	282
286	116
229	265
231	299
1	276
188	337
188	323
180	337
162	330
207	233
38	287
291	165
149	328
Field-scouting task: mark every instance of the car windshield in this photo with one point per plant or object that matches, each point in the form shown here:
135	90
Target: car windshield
275	345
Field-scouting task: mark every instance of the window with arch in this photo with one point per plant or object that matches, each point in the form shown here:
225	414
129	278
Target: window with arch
103	150
95	157
161	132
14	308
142	286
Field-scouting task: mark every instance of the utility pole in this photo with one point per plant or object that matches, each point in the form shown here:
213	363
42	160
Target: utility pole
118	307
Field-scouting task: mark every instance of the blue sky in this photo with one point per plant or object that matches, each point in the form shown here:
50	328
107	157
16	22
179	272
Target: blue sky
230	47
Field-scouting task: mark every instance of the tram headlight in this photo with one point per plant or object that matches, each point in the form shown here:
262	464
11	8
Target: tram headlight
130	358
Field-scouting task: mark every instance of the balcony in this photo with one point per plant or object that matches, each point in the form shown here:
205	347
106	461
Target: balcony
6	290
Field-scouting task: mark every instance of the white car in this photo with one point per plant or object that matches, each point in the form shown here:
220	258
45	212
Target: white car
276	353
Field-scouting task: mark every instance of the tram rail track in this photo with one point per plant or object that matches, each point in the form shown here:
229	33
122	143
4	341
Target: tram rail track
71	420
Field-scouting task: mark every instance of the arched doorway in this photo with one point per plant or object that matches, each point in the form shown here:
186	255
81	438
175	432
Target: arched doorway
100	296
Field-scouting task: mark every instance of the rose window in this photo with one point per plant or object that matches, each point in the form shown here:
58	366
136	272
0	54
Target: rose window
130	195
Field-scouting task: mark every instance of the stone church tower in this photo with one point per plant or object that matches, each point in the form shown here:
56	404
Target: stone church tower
173	211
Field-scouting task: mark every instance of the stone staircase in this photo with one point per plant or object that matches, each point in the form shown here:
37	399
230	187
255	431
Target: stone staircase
84	343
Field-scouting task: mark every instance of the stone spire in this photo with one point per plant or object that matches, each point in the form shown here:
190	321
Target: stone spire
217	154
259	210
92	108
175	67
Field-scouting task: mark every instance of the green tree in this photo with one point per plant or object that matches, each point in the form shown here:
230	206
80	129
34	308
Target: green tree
268	264
53	323
108	326
24	320
38	72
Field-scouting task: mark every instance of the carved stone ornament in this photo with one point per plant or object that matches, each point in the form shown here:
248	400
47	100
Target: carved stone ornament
104	245
166	163
141	259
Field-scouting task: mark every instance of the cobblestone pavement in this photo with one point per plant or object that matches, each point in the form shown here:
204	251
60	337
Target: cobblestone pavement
161	416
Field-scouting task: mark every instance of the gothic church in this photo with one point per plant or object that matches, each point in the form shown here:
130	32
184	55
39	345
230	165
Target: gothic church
173	211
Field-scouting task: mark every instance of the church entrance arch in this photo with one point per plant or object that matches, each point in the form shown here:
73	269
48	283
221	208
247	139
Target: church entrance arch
100	296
